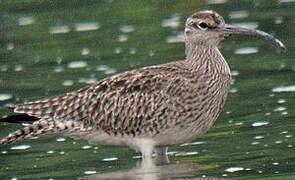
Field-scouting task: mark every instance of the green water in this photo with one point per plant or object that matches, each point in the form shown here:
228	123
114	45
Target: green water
53	47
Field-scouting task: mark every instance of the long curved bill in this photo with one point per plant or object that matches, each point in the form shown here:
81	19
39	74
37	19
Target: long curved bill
231	29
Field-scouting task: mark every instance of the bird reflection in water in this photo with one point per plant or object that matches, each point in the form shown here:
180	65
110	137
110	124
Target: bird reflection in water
152	169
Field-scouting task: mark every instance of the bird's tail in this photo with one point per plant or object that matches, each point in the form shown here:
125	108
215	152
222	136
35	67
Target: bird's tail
19	118
40	127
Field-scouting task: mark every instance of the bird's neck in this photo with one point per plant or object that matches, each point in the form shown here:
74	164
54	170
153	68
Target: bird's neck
202	56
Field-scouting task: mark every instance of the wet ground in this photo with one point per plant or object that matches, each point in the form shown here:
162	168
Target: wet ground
53	47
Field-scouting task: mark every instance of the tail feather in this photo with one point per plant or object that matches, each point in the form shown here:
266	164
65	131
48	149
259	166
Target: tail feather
41	127
62	107
45	107
51	115
19	118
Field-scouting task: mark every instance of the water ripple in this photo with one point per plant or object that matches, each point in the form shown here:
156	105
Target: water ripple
261	123
20	147
89	26
290	88
234	169
4	96
24	21
59	29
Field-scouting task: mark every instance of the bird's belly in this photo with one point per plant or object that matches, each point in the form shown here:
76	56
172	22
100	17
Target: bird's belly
140	143
98	137
183	133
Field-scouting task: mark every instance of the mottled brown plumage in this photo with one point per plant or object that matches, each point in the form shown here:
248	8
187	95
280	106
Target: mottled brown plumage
146	108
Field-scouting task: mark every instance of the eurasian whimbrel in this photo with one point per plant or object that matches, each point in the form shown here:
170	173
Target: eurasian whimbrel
147	108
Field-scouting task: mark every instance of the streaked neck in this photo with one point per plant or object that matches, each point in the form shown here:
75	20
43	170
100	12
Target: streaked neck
202	55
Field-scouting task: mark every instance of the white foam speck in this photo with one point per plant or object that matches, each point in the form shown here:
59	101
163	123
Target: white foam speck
233	90
290	88
118	50
110	159
172	22
238	14
137	157
261	123
234	169
105	69
89	26
170	153
275	163
281	108
251	25
87	80
77	64
86	147
178	38
258	137
122	38
58	69
110	71
89	172
50	152
18	68
255	143
10	46
193	143
246	50
4	97
281	101
24	21
278	20
216	1
268	114
85	51
235	73
60	139
20	147
127	28
186	153
279	142
3	152
102	68
239	123
286	1
132	51
68	83
151	53
59	29
288	136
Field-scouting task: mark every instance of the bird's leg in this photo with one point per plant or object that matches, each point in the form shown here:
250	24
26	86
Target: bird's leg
161	155
161	150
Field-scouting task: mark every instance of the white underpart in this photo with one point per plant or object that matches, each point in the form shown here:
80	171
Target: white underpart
144	145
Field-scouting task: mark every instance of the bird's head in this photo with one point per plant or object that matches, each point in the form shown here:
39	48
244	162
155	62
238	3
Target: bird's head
209	28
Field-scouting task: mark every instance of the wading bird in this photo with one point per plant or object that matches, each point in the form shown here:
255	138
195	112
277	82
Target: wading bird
149	108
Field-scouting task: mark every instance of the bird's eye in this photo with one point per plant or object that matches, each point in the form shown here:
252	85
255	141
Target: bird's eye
202	25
